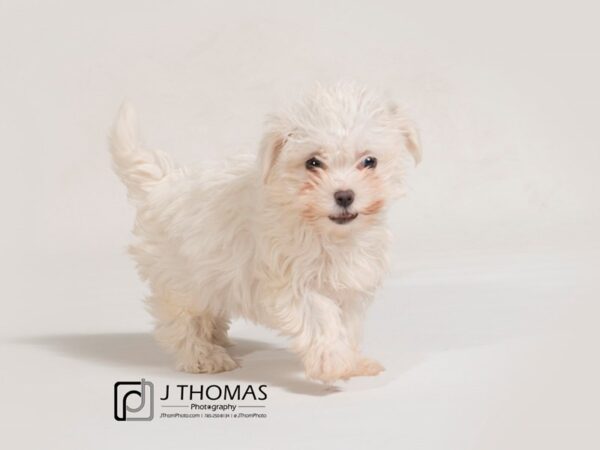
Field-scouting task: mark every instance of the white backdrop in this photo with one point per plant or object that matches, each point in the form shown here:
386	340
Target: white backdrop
495	244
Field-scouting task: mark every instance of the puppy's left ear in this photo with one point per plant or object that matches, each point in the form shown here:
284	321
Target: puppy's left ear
271	146
409	132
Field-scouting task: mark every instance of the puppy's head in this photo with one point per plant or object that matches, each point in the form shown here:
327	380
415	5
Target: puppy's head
336	159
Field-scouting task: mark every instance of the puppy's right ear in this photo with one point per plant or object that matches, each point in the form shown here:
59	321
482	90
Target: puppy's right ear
273	141
409	132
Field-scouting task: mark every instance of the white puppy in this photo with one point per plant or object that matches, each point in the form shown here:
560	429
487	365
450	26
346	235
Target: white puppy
294	239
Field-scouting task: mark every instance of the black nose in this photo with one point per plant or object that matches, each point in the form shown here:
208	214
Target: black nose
344	198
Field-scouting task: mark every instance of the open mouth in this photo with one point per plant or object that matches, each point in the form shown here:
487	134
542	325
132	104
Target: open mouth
343	218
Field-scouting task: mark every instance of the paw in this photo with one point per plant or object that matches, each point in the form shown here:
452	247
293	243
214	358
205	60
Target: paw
328	376
367	367
329	366
213	361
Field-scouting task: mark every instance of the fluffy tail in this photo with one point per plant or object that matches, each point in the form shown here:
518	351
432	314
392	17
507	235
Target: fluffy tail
138	168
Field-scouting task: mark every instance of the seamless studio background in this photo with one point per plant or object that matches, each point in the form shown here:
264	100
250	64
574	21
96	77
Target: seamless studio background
486	322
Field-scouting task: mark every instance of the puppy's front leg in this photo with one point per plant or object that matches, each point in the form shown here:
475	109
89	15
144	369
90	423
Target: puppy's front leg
320	336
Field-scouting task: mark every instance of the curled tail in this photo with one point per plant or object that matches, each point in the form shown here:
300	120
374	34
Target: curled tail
138	168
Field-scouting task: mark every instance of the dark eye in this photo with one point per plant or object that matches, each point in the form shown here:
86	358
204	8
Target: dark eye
313	163
370	162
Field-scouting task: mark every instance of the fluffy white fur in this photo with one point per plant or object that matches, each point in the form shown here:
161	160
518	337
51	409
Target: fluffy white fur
257	237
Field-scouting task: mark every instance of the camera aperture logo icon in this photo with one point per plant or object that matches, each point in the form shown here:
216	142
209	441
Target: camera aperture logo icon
134	400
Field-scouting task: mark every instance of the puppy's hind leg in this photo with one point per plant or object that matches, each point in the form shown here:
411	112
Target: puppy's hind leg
196	339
